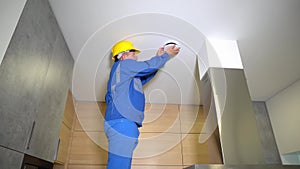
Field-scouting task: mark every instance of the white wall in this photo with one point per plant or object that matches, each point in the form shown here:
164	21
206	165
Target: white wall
10	12
284	112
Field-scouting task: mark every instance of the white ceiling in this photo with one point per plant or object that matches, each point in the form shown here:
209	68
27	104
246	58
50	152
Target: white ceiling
267	32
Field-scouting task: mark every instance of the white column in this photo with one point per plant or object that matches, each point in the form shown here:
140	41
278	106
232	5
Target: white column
231	107
219	54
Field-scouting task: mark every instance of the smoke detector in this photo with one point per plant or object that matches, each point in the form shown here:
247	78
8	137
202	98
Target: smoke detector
170	43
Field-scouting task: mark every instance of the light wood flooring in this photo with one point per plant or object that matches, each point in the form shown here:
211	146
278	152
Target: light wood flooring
169	138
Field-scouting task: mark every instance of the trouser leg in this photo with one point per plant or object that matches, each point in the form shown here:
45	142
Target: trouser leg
122	140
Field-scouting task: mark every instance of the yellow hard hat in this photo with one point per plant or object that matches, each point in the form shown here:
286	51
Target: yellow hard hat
123	46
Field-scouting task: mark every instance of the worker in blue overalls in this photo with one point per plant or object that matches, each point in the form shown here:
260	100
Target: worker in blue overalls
126	101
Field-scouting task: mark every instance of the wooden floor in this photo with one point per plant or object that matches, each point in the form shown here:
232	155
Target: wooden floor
169	138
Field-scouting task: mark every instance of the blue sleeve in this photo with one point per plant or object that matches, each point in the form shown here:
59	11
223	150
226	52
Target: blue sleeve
147	78
145	68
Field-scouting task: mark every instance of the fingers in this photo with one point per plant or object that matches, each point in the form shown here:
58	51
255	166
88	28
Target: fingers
173	50
160	51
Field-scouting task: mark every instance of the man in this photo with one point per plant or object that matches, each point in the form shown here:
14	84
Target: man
126	101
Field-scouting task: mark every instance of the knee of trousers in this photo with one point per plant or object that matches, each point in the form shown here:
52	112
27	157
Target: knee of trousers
122	145
122	138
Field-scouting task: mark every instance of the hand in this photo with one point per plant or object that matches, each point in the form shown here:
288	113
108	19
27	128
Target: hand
160	51
173	50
